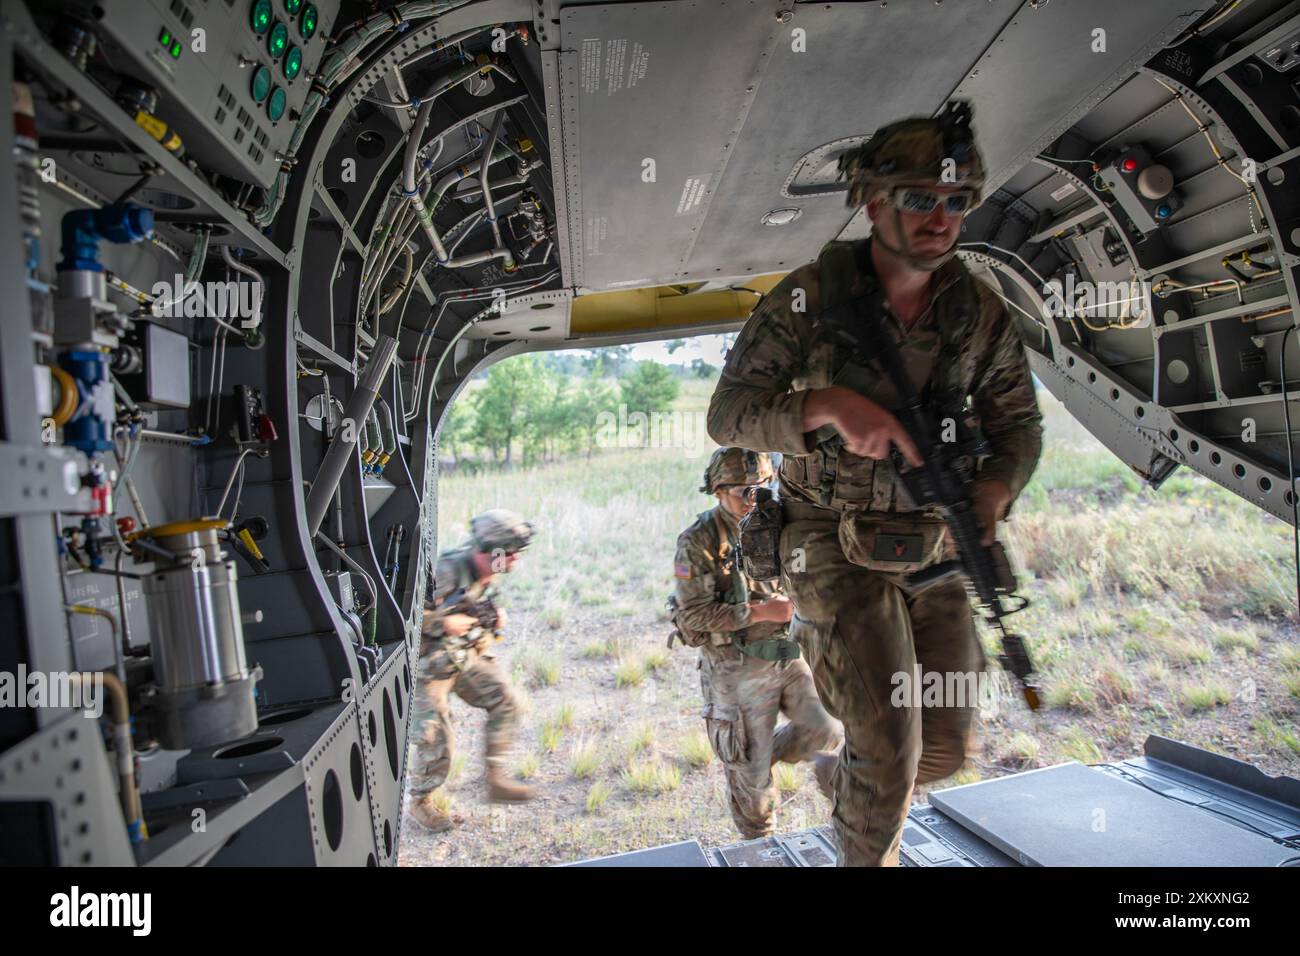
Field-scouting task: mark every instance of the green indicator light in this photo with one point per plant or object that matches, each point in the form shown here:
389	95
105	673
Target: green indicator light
165	38
308	23
292	6
261	84
176	49
276	104
278	40
260	17
292	62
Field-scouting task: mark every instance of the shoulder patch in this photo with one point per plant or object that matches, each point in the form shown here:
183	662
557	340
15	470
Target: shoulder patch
682	570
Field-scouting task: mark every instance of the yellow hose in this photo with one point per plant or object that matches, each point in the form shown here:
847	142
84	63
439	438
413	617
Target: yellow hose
67	396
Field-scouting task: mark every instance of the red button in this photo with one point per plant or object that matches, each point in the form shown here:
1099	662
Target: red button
1130	164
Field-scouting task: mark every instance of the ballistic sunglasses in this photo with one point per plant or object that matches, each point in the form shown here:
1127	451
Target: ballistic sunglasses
921	201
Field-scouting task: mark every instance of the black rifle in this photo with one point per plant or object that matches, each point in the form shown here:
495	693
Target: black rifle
483	610
946	480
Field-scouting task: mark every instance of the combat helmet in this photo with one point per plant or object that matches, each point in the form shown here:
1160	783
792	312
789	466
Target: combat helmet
736	466
917	149
501	530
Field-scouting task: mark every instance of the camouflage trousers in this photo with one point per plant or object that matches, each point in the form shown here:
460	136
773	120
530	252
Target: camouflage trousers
860	631
742	698
479	682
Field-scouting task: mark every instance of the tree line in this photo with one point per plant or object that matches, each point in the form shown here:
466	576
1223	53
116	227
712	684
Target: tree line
542	407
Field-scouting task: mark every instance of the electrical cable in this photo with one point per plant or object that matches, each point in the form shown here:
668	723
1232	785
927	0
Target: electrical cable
221	506
1204	130
347	559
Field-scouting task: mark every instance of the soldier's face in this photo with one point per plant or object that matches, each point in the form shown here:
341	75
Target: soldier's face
489	563
924	236
735	498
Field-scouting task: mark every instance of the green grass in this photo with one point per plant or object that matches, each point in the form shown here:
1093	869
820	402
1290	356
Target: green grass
1292	684
597	795
528	766
789	777
695	750
630	672
1275	735
1204	696
1228	638
1066	592
584	760
1023	748
1076	745
457	768
651	776
544	670
552	735
656	659
1071	692
643	738
564	715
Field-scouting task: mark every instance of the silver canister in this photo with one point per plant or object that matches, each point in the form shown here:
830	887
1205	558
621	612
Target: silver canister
205	689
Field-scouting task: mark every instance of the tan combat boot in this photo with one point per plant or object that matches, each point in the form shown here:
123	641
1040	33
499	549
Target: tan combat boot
428	816
501	789
824	763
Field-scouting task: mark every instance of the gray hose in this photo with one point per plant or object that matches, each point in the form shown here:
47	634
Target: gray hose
497	125
388	432
374	441
341	448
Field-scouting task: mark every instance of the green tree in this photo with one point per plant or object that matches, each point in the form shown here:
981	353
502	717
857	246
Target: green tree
594	396
506	402
549	423
458	430
702	369
651	389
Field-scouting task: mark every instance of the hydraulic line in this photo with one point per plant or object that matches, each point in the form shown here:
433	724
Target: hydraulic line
486	187
128	791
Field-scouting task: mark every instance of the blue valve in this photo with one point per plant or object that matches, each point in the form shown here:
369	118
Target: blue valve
84	229
91	427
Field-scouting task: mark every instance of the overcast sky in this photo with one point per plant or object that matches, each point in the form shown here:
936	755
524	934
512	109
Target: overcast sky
707	347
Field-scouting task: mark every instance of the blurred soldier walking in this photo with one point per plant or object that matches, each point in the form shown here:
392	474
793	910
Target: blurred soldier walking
750	670
460	621
790	387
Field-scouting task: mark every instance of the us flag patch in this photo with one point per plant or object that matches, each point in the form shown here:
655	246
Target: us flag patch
682	570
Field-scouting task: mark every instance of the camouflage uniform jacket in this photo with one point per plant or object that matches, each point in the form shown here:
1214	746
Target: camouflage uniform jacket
781	354
713	594
455	573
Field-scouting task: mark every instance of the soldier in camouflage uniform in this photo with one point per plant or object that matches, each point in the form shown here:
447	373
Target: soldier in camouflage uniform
455	657
851	532
750	670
